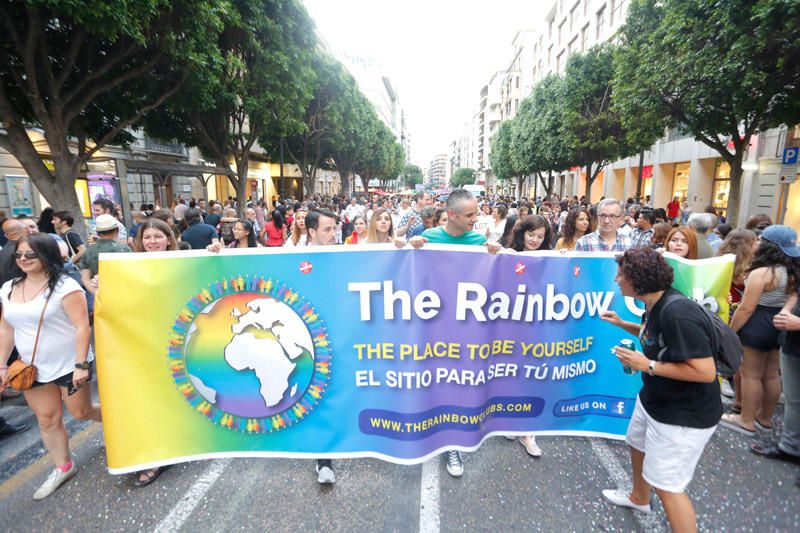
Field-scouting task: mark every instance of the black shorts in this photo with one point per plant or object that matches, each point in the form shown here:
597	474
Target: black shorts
66	379
759	332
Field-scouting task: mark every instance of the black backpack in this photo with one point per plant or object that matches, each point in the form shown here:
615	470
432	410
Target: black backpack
724	341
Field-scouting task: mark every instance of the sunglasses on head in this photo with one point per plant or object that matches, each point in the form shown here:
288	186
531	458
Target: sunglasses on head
30	254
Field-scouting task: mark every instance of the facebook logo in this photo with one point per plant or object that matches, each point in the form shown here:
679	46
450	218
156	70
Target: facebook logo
620	408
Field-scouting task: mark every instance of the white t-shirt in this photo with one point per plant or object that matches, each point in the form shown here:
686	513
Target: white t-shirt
55	355
300	242
496	230
483	224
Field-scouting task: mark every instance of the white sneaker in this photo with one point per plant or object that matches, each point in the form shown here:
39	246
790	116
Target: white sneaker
621	498
529	443
455	466
53	481
725	389
325	475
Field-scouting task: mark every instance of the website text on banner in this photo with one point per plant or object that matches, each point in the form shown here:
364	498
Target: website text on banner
369	352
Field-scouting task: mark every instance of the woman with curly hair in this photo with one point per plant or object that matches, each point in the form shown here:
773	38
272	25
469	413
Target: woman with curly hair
576	225
772	276
681	241
679	405
531	233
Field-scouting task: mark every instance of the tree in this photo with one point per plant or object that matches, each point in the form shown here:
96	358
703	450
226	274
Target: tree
591	129
500	154
394	167
224	110
84	72
312	147
380	154
536	146
723	71
462	176
411	175
354	134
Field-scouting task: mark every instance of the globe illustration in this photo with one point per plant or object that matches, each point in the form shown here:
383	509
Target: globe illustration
249	355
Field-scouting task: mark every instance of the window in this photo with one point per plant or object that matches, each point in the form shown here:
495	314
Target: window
560	32
601	21
680	182
572	44
585	38
517	82
572	18
722	187
558	62
617	11
550	55
585	7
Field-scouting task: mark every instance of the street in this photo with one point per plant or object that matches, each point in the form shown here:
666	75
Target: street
502	489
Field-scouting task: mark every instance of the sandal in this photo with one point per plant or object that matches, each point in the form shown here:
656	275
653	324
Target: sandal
736	409
761	426
148	475
734	422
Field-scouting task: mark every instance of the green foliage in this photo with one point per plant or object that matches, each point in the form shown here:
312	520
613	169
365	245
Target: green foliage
721	70
411	176
462	176
85	71
262	83
500	155
592	130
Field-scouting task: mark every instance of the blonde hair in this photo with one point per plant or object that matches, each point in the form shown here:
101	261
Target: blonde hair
739	242
372	233
296	232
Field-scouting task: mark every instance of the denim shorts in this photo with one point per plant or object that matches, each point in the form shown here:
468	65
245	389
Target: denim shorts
66	379
759	332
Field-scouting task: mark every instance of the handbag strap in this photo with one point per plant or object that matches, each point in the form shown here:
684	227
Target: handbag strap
39	329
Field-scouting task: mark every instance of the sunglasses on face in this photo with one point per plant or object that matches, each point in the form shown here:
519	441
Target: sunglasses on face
30	254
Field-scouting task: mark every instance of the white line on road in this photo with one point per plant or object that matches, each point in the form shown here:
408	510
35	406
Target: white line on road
649	522
429	497
186	505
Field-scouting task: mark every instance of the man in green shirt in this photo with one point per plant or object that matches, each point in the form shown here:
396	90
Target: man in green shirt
462	213
107	234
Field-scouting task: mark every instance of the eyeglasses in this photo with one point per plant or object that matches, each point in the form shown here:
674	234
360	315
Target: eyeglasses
608	217
30	254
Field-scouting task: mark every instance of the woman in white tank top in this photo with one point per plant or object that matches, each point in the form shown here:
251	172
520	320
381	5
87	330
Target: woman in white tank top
63	358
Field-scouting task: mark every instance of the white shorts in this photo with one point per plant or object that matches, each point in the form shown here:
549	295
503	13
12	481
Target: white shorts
671	452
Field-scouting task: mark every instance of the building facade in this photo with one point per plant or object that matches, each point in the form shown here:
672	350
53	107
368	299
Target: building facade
438	176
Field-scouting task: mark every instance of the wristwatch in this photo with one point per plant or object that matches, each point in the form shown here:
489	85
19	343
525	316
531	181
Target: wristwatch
651	367
86	365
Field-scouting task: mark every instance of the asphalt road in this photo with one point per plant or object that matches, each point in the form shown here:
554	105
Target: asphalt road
502	490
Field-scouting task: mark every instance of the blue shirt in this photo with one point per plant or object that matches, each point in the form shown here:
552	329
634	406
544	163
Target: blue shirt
199	235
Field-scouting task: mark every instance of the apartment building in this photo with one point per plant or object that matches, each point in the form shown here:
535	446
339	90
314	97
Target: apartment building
438	176
676	165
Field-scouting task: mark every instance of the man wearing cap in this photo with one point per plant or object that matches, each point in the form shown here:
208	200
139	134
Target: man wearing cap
107	234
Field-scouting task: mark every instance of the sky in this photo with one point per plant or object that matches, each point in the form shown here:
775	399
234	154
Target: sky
437	53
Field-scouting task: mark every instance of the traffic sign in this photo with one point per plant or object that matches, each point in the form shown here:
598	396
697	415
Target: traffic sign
788	174
790	155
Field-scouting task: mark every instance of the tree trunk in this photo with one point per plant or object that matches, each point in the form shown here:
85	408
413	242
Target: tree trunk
550	182
344	179
365	183
732	217
240	184
520	182
589	180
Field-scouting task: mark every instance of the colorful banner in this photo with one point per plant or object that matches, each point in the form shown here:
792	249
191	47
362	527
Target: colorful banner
362	351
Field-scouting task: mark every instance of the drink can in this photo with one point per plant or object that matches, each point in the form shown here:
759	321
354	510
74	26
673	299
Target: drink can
628	345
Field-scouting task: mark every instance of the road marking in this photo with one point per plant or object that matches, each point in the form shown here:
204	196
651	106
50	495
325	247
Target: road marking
619	476
186	505
429	497
43	463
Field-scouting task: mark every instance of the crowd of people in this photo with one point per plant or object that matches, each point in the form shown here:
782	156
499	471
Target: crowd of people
49	275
